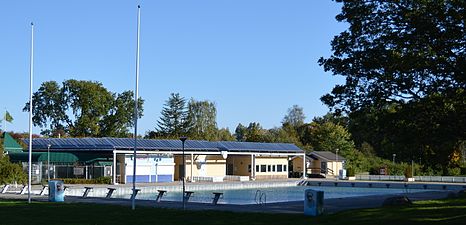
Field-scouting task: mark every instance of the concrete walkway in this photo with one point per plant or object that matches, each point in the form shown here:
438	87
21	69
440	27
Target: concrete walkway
330	205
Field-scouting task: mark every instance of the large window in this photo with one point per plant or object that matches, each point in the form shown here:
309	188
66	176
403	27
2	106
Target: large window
279	168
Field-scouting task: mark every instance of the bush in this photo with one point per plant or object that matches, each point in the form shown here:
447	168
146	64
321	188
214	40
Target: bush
408	172
455	171
11	172
350	172
463	170
100	180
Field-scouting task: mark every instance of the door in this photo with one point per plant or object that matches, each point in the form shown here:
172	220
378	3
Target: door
230	169
323	167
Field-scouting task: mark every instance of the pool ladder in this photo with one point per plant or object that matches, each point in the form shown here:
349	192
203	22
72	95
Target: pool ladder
260	197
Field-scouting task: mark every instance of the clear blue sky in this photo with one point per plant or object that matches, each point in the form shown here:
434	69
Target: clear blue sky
254	59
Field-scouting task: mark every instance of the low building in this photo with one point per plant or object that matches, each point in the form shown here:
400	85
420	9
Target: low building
323	163
162	160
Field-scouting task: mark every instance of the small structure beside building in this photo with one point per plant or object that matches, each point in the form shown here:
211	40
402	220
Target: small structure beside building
319	163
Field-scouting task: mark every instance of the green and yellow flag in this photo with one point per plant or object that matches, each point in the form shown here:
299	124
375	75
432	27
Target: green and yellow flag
8	117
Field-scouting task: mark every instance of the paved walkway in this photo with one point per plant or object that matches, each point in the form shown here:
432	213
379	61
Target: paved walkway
330	205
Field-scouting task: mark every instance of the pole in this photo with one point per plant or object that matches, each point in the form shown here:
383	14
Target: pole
336	165
133	201
183	139
48	162
114	168
412	168
304	166
184	172
31	72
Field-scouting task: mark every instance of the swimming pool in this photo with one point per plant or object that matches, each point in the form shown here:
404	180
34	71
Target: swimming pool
277	194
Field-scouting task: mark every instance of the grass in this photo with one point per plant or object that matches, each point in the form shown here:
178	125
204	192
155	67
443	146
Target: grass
447	211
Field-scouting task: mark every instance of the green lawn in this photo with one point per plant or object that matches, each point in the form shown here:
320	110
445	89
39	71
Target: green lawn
449	211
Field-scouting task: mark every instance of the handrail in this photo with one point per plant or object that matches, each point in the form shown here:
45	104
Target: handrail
260	198
255	197
263	202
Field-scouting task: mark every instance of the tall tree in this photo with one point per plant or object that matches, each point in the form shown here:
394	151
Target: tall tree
82	109
330	137
202	120
240	132
295	116
121	115
404	64
90	102
173	121
397	51
225	135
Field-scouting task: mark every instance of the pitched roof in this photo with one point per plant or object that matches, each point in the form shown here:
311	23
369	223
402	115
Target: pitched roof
110	144
10	144
326	156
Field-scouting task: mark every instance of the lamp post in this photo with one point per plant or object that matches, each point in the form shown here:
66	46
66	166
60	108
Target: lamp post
183	139
48	162
394	155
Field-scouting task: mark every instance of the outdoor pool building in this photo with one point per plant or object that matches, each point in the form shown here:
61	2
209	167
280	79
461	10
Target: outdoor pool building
162	160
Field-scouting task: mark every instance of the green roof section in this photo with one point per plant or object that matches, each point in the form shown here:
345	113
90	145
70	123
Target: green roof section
55	157
10	144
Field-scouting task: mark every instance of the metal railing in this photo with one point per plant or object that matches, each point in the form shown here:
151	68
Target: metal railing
447	179
260	198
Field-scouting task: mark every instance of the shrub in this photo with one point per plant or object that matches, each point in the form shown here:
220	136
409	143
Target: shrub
350	172
454	171
408	172
11	172
463	170
100	180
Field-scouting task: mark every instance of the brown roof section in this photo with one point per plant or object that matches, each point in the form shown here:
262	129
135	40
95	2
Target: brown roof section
326	156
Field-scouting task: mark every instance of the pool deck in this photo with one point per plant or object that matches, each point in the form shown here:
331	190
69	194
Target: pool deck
330	205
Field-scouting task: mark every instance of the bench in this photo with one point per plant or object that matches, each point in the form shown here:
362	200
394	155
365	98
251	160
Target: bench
217	196
160	195
44	188
187	195
110	192
86	191
5	188
135	192
24	190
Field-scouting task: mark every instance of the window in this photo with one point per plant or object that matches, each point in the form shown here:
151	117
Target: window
249	168
269	168
263	168
273	168
257	168
279	168
284	168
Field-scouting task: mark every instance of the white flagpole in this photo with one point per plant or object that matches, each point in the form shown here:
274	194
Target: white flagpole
31	70
136	96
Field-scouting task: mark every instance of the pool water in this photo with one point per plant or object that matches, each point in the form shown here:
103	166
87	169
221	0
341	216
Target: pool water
276	194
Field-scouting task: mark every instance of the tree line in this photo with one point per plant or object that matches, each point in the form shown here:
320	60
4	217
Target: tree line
404	65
